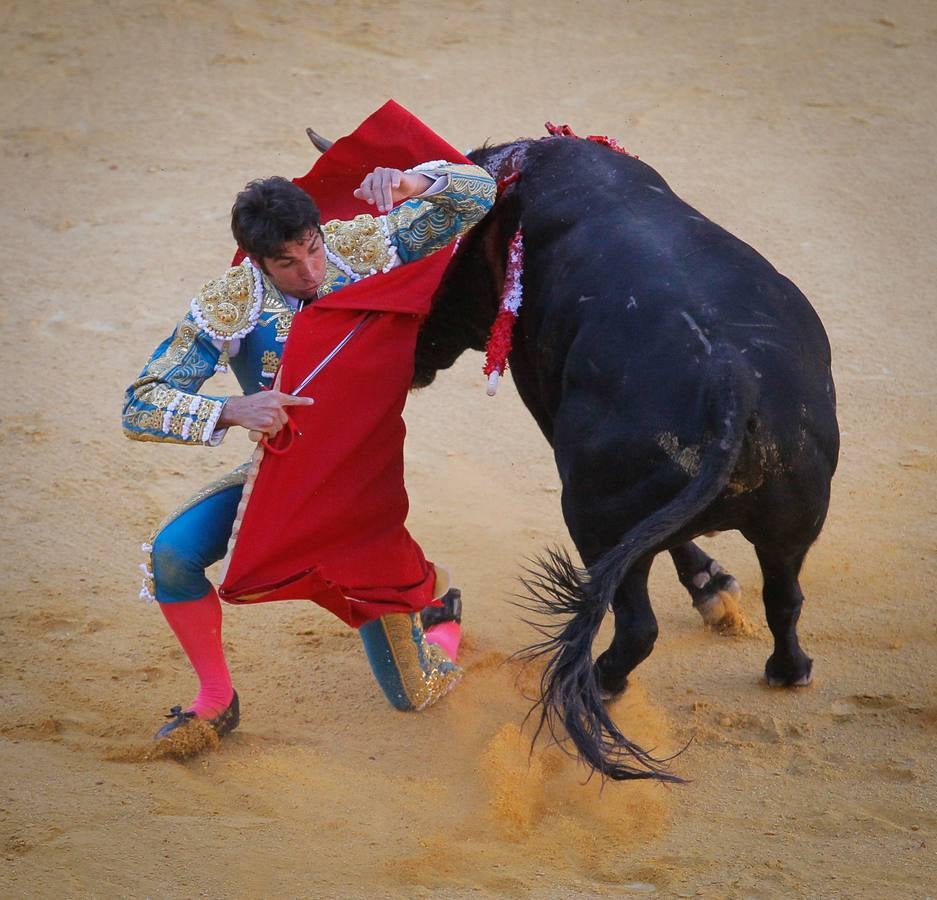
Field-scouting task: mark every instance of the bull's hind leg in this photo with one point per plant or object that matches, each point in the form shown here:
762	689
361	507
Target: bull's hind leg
635	632
788	666
714	592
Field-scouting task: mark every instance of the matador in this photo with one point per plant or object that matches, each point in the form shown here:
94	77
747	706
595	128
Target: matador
242	321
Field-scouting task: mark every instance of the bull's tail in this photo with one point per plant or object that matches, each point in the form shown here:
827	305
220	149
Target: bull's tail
569	690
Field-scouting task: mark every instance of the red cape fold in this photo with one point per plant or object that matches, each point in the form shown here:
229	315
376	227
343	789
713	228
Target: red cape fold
325	521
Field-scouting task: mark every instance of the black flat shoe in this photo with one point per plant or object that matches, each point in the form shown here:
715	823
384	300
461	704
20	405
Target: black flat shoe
223	723
450	611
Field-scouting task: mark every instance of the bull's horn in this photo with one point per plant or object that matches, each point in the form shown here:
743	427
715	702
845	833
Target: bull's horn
320	143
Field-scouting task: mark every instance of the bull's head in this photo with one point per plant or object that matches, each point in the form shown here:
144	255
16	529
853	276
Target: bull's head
466	302
468	296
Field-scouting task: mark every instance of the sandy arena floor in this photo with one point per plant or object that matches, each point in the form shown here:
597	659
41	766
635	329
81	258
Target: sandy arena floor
806	128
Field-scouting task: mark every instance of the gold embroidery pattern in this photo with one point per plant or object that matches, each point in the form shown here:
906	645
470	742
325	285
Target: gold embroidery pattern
422	226
270	363
206	413
163	398
172	418
422	230
156	394
176	424
360	242
182	342
469	192
426	673
147	420
281	313
227	307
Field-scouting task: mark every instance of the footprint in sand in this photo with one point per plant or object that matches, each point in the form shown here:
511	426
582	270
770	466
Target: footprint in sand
884	707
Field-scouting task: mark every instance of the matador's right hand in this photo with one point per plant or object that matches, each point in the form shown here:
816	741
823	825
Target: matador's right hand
263	413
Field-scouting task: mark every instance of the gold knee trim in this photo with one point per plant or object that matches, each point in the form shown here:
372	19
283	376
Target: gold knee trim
426	673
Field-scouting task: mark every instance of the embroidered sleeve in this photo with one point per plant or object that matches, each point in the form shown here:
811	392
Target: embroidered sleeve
163	404
423	225
369	244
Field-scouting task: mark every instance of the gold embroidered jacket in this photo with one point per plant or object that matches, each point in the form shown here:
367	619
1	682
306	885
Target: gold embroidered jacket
241	319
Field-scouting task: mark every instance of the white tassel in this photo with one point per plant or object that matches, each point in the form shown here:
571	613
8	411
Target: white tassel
145	592
211	423
393	260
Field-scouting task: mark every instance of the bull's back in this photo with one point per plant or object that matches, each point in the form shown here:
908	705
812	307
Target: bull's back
607	238
639	295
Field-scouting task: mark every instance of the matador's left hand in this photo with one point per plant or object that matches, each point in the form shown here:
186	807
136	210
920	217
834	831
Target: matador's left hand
385	187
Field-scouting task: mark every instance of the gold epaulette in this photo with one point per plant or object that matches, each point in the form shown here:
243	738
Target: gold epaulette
228	307
363	244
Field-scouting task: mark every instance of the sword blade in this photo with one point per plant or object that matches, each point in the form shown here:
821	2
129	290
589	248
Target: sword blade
333	353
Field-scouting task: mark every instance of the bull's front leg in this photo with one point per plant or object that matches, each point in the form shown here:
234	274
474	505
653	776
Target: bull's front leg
714	592
635	632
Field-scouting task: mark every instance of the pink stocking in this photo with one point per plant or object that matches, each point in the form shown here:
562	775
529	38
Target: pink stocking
197	625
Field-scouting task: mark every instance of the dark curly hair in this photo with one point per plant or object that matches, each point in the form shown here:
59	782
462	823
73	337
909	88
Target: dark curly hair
269	213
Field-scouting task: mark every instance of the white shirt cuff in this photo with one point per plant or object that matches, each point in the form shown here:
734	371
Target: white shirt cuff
439	185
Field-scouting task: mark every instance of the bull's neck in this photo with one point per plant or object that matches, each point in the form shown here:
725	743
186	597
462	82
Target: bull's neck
503	160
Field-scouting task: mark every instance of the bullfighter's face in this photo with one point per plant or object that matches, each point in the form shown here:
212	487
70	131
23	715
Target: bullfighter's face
298	269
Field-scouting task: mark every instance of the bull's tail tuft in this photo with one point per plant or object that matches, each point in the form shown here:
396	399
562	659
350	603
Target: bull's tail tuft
569	692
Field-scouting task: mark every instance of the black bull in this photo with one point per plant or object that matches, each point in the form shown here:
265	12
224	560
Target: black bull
685	387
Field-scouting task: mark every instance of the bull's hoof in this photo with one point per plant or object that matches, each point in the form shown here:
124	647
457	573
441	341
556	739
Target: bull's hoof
789	672
609	696
611	685
716	596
